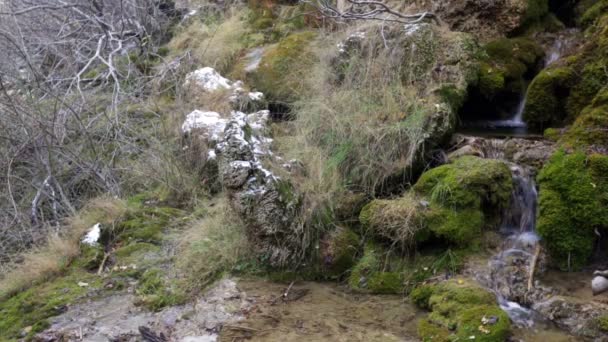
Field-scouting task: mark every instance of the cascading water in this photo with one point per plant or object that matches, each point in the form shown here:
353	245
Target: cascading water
511	268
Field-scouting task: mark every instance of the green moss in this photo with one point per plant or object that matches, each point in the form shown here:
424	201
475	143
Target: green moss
340	251
461	198
572	201
546	97
592	79
505	64
461	227
155	292
145	224
458	306
421	296
402	220
453	96
593	13
602	323
468	183
138	253
32	307
536	9
589	129
372	275
552	134
469	324
280	73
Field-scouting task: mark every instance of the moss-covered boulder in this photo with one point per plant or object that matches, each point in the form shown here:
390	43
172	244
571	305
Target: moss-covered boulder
374	274
460	309
558	95
590	129
453	202
546	97
506	64
339	250
282	69
573	200
403	220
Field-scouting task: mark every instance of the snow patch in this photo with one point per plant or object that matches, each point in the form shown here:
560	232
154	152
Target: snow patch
208	79
93	235
211	123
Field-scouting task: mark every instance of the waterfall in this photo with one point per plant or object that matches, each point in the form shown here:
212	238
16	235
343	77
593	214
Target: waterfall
510	268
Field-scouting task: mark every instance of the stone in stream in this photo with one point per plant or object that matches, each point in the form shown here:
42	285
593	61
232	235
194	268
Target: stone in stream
599	284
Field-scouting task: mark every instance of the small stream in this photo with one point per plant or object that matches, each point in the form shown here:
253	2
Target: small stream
518	248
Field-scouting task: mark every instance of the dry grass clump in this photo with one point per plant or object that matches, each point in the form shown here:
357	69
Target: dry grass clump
54	256
211	246
213	44
362	114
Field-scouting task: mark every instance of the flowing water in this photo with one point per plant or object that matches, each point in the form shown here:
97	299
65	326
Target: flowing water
517	252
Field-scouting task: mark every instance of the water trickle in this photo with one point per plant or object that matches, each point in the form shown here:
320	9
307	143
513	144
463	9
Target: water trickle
511	268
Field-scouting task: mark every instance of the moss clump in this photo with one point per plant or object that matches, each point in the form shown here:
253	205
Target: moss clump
421	296
154	292
402	220
592	13
281	71
139	253
461	227
590	128
370	274
339	250
506	64
453	202
546	97
468	182
145	224
457	309
602	323
33	307
572	206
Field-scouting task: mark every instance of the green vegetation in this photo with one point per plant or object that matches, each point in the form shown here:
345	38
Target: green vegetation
461	199
370	273
339	251
547	95
283	68
458	309
589	129
603	323
30	309
572	201
155	291
507	62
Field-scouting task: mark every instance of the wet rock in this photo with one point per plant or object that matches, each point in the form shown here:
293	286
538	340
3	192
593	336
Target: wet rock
599	284
528	152
577	317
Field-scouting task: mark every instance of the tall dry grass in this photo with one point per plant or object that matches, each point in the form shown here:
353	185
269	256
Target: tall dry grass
211	246
55	256
360	115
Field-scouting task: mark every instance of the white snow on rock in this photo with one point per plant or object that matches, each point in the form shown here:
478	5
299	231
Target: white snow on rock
208	79
93	235
256	96
210	123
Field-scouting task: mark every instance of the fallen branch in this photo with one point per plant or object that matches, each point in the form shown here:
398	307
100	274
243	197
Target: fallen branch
533	266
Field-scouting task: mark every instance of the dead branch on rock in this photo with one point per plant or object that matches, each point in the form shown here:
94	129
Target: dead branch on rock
349	10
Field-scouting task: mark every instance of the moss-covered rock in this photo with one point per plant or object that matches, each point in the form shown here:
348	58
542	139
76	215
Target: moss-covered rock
453	202
572	201
459	310
372	274
468	182
156	292
546	97
33	307
402	220
591	127
338	252
507	62
280	74
558	95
